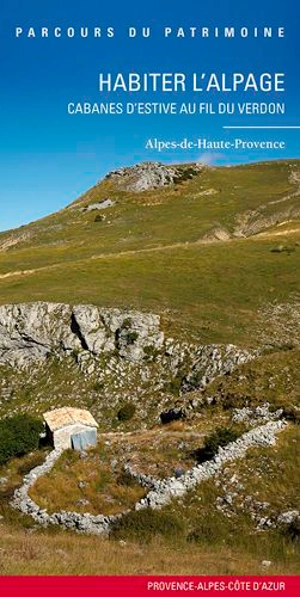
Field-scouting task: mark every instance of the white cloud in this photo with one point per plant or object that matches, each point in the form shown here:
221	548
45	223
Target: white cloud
210	158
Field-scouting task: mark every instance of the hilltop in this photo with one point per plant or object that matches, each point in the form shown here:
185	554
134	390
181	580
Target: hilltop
165	300
156	237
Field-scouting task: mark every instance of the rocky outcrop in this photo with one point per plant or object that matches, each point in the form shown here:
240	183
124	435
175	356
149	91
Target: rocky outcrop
286	518
212	360
30	332
106	357
152	175
104	204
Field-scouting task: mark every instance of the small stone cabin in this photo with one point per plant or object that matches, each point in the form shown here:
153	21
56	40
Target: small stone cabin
71	428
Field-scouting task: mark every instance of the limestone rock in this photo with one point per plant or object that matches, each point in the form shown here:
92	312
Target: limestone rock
104	204
286	518
29	332
152	175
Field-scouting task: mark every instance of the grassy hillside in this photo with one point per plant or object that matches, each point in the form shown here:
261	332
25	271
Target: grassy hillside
217	255
158	250
215	291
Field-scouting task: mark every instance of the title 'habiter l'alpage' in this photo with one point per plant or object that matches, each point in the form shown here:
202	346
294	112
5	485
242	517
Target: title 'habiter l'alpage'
199	82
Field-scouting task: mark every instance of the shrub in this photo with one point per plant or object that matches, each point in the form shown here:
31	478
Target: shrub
151	353
174	414
7	448
124	333
186	174
141	525
99	218
174	386
126	412
127	323
217	439
98	386
292	531
194	381
291	413
131	337
19	435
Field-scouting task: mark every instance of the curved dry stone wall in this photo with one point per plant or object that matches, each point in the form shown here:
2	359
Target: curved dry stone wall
166	489
161	491
86	523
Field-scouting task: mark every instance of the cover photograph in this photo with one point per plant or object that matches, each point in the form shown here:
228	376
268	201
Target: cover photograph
150	295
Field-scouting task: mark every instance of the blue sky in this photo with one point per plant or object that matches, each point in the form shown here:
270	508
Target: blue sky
49	157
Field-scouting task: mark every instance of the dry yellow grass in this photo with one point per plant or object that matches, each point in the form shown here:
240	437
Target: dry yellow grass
27	553
72	480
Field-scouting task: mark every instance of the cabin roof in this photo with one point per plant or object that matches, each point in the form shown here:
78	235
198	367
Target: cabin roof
62	417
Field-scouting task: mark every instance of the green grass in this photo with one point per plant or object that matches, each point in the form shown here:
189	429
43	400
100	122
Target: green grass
176	214
214	290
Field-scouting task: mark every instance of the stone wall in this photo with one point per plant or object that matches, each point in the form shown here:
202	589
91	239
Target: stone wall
161	491
165	490
97	525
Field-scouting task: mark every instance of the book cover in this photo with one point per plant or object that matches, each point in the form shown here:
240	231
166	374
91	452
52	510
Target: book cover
149	295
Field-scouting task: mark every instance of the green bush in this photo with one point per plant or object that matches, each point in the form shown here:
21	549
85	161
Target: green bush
291	413
151	353
217	439
19	435
127	323
186	174
174	386
126	412
141	525
292	531
99	218
194	381
131	337
126	333
98	386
